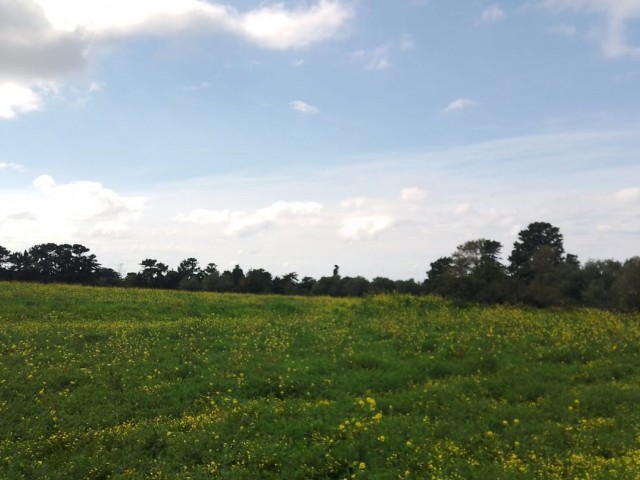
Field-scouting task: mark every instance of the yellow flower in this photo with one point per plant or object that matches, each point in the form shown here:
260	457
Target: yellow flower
362	466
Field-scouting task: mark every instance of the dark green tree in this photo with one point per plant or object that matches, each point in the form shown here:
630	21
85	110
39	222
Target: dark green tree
287	284
469	256
626	287
530	240
305	287
383	285
237	276
598	277
189	268
441	277
353	287
189	275
20	266
258	280
210	278
5	263
153	273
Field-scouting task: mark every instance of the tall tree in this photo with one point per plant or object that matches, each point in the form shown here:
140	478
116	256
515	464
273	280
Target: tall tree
189	268
258	280
211	275
469	256
536	236
153	273
440	276
237	277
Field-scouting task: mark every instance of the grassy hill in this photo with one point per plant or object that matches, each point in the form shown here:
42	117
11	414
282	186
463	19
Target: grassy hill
136	384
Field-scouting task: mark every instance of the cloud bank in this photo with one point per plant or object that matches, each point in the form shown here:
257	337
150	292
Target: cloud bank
243	223
58	212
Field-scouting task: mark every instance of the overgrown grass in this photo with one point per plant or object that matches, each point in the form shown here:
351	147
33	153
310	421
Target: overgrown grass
136	384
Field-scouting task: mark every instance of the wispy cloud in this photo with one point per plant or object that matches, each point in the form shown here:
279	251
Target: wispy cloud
10	166
197	86
459	104
616	15
380	57
492	13
303	107
564	30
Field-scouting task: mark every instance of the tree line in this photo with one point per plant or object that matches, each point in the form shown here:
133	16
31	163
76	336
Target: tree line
538	272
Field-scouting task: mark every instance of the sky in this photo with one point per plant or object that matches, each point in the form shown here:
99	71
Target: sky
297	135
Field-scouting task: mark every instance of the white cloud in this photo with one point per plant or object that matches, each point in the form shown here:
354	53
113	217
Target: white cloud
628	195
365	227
273	27
461	209
202	216
58	212
277	28
10	166
492	13
354	203
617	14
413	194
302	107
459	104
241	223
17	99
45	44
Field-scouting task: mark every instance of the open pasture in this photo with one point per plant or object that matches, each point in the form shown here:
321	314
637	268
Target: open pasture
137	384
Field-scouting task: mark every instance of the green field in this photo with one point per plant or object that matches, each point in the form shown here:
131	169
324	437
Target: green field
125	383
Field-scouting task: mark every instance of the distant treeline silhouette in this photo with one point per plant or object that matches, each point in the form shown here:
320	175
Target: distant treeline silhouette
538	273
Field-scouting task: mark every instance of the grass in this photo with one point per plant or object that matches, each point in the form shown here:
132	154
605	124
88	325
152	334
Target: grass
136	384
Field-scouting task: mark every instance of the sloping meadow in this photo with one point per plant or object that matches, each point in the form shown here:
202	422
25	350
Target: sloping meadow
136	384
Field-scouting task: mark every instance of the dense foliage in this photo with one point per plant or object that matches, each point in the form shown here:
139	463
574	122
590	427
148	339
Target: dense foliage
117	383
538	273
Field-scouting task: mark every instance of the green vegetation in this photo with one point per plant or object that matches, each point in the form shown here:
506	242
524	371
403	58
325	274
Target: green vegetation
102	383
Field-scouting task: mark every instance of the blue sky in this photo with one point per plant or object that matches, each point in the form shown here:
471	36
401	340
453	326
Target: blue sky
293	136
